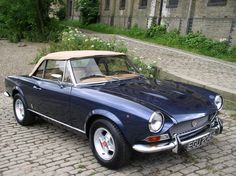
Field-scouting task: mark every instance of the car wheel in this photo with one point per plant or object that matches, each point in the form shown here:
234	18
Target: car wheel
23	117
108	144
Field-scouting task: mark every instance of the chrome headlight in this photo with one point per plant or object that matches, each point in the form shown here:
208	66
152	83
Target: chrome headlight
218	102
156	122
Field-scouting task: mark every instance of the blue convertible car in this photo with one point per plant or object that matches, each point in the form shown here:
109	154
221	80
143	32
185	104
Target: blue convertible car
101	94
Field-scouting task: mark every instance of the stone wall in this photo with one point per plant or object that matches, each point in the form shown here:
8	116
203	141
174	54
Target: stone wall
215	21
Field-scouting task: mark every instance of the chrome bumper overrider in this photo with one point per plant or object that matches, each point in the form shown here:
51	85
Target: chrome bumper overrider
6	94
176	143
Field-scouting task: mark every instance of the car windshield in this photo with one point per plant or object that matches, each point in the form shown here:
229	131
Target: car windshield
102	69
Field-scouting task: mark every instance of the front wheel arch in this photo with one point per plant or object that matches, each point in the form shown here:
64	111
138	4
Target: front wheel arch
95	117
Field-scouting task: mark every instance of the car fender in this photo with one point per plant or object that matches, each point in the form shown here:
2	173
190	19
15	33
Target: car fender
17	88
108	115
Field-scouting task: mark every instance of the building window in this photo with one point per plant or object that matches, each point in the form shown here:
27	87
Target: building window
107	4
172	4
217	2
122	4
143	4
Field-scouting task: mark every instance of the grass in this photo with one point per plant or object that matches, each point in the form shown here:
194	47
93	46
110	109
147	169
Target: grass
193	42
211	169
233	116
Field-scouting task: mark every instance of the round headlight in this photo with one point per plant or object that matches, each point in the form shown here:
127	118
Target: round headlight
156	122
218	102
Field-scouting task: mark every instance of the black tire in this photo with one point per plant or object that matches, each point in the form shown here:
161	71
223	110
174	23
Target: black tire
122	150
28	118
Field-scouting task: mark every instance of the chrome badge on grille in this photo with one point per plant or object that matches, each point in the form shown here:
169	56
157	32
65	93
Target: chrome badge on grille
194	123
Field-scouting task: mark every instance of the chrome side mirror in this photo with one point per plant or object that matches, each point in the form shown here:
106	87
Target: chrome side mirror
58	78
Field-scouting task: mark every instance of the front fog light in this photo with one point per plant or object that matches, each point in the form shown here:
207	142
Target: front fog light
156	122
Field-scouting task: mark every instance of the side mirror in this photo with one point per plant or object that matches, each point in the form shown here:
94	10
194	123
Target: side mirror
58	78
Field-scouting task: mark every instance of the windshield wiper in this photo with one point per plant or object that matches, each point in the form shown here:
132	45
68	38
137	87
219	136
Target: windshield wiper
92	76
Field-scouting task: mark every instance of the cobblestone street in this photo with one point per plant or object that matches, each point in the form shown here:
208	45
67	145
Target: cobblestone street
45	149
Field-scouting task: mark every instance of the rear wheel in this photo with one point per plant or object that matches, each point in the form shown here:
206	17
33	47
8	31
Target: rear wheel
22	115
108	144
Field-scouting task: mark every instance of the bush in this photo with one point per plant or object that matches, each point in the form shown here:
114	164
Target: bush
61	13
26	19
155	31
149	70
88	11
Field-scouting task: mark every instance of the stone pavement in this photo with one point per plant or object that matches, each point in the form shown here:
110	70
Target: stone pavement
179	65
45	149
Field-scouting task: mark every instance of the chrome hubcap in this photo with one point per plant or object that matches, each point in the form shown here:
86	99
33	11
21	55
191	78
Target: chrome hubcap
104	143
19	109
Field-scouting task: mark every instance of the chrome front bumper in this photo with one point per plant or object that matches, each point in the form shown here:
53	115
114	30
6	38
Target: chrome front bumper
177	143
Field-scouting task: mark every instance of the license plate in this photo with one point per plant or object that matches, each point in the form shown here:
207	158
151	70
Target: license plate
199	142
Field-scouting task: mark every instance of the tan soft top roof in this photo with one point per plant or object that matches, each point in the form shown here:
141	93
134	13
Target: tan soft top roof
66	55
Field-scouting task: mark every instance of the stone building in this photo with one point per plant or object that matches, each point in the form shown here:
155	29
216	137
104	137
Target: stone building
214	18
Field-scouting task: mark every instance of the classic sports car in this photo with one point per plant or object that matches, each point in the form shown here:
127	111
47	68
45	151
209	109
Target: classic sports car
102	95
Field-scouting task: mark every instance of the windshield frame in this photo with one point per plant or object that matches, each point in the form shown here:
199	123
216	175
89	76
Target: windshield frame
103	82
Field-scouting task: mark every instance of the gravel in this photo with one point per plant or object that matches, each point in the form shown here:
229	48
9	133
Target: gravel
15	59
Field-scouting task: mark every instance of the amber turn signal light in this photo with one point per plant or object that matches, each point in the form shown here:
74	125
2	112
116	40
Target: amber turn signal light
152	139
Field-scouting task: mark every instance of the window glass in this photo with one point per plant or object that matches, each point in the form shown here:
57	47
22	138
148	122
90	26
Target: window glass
122	4
107	4
39	72
102	69
172	3
217	2
54	70
143	3
85	67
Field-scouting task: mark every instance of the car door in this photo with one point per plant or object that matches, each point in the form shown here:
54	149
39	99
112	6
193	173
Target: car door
31	88
53	91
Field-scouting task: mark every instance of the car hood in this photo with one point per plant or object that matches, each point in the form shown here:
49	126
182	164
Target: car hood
175	99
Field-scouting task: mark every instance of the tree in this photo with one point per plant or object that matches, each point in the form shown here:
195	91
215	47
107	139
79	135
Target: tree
88	11
26	19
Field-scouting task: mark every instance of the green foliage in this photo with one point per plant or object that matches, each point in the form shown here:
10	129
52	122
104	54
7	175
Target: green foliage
88	11
149	70
71	23
135	31
61	13
155	30
194	42
27	19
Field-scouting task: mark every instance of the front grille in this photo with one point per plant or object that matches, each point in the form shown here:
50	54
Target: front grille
185	127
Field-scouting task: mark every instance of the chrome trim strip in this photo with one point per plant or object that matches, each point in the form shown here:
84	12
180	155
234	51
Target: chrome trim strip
6	94
81	131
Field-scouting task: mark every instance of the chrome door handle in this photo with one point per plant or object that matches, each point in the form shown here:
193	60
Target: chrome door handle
37	88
